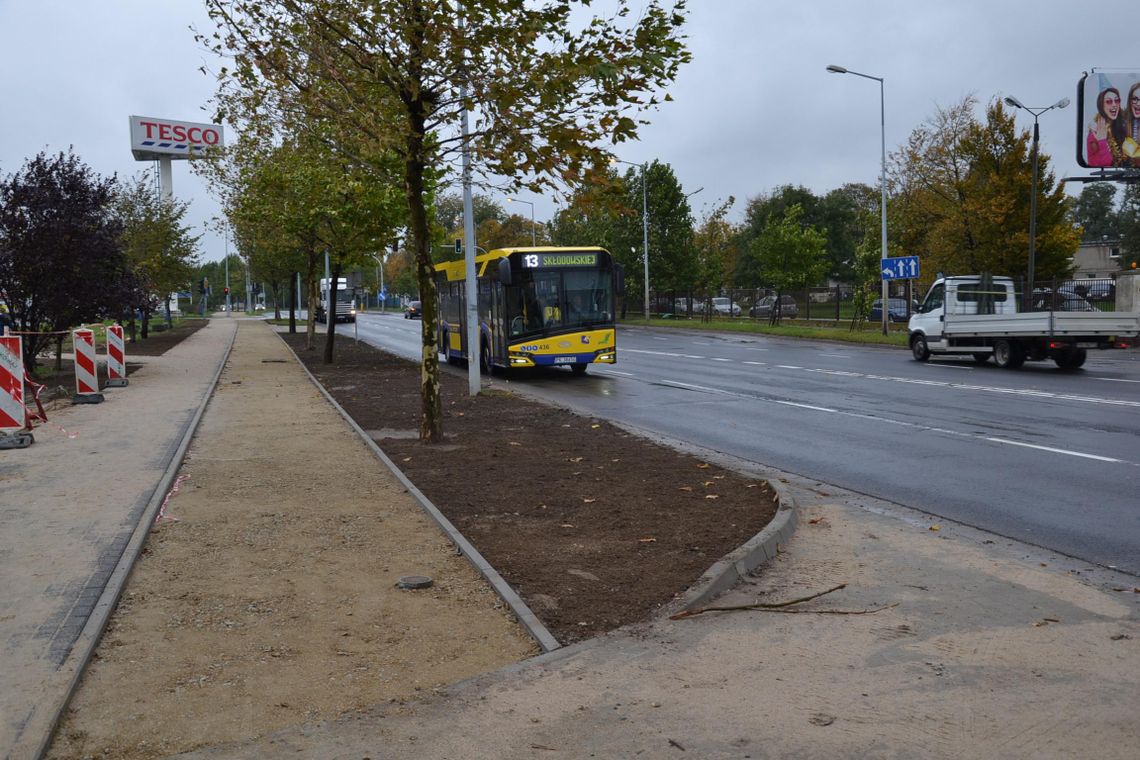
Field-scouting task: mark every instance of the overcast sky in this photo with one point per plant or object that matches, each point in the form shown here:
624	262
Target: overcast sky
754	110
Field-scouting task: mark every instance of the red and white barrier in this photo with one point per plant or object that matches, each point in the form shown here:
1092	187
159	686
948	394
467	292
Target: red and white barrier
13	413
116	357
86	377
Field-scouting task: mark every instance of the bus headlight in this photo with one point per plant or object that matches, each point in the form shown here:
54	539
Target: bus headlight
520	360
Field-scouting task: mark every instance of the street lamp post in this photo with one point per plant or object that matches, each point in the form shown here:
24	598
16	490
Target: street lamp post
885	309
1015	103
533	242
644	225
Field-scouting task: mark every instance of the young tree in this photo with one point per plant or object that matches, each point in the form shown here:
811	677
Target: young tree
715	240
158	245
61	254
1129	216
547	87
789	254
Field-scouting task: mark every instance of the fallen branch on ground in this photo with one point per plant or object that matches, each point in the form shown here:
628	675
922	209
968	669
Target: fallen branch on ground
756	605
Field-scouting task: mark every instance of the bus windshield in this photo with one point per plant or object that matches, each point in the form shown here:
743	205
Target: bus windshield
556	300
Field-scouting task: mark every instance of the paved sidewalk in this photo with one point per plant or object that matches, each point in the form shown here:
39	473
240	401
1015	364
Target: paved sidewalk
69	505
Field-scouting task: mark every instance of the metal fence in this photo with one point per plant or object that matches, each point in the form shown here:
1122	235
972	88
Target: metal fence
836	303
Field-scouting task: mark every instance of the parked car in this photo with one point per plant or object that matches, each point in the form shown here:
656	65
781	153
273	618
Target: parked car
725	307
685	306
896	310
763	307
413	310
1065	299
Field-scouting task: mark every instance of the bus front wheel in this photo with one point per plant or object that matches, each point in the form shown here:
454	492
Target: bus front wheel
579	369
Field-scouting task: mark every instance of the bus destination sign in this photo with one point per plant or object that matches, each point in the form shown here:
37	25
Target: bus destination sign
560	260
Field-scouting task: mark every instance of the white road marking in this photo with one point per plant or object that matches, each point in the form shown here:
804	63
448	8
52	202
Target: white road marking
1115	380
758	364
805	406
788	366
718	359
838	356
614	372
1055	451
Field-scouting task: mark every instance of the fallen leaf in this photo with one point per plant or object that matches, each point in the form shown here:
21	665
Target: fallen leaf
708	483
565	525
589	501
459	414
935	527
515	443
817	520
684	488
647	540
719	477
594	427
703	466
750	485
407	459
615	460
574	459
711	496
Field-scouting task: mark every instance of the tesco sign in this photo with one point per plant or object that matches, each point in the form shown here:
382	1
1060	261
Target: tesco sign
153	138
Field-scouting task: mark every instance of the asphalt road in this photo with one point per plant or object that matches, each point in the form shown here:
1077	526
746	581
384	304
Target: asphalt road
1046	457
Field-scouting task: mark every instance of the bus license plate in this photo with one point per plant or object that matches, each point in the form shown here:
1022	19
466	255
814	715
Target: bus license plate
1087	344
564	360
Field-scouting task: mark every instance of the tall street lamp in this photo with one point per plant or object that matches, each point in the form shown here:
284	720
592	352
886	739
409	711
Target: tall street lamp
533	244
1014	102
885	309
644	225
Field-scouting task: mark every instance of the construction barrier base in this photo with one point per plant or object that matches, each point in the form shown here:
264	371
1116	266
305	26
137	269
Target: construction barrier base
117	382
87	398
16	440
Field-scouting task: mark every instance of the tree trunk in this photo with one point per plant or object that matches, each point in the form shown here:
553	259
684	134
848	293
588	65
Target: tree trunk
294	283
431	421
145	323
330	312
59	354
311	289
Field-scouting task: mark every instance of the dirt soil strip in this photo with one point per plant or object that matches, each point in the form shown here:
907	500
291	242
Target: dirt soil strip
593	526
269	598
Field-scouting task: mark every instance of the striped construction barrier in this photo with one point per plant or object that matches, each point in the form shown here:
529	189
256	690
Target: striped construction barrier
116	357
86	374
13	413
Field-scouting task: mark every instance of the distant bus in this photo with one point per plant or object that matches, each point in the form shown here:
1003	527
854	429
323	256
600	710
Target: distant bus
538	307
345	310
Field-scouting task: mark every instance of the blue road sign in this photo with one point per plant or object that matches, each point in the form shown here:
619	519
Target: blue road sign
900	268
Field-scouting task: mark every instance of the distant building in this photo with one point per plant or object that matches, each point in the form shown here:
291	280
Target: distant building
1097	259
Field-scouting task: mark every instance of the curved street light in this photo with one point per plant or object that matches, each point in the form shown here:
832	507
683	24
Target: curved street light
644	225
533	244
1015	103
882	178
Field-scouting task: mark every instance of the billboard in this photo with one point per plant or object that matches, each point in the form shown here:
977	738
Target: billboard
153	138
1108	120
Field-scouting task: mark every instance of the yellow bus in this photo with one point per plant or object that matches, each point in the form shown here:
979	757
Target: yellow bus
538	307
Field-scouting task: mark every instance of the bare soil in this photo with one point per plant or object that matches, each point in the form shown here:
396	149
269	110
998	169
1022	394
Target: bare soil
594	527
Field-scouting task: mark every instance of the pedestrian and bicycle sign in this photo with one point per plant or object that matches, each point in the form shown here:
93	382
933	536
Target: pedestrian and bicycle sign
900	268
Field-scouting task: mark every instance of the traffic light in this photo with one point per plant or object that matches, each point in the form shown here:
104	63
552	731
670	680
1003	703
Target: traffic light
226	291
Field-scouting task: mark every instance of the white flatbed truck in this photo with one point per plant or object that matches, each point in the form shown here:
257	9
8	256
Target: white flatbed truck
978	316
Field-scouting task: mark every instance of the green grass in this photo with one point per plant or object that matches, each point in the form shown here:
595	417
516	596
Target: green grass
867	334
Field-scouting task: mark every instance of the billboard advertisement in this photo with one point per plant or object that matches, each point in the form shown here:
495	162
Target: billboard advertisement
153	138
1108	120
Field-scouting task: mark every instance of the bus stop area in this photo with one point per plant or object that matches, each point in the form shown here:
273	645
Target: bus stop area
941	643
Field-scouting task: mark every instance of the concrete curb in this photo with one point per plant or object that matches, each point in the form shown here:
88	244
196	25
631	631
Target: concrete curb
727	572
527	619
84	647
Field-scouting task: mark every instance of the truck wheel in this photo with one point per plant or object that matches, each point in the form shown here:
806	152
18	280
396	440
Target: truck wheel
1071	359
919	348
1008	355
981	358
